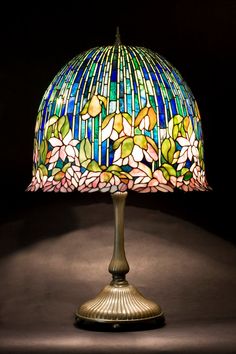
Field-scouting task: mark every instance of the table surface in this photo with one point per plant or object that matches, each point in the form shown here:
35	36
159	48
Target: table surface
49	270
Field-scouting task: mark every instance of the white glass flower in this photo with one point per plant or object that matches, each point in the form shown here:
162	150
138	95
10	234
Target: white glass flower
64	148
189	150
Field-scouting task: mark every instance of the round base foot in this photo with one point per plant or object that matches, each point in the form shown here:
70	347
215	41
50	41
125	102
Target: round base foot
117	304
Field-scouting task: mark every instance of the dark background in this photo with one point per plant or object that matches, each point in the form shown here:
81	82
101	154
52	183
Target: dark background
197	37
54	248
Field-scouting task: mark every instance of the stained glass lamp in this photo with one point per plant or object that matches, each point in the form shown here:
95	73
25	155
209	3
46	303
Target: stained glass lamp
118	118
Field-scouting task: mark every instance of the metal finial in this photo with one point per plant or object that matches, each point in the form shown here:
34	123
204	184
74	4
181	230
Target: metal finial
118	42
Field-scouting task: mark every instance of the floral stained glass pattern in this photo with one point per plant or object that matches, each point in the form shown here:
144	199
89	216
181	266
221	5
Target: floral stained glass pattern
117	118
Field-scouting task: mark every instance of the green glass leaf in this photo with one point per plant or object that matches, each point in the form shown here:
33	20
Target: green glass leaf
43	150
85	163
52	120
88	148
126	174
188	175
171	150
58	176
137	131
93	166
190	129
56	133
65	168
82	155
65	127
118	142
116	173
55	171
127	147
200	148
127	117
178	173
38	121
165	173
186	123
85	109
175	131
103	100
49	132
141	141
165	147
60	123
107	120
114	168
184	170
182	131
170	169
177	119
44	170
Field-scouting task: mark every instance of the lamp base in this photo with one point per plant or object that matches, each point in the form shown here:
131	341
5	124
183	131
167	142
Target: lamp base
119	303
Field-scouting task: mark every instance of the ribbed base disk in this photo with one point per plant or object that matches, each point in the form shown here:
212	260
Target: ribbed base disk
119	304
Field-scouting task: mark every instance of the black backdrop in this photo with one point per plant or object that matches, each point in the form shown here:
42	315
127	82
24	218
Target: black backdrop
197	37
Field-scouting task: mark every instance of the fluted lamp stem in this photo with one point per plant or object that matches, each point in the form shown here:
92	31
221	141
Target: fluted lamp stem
119	266
119	302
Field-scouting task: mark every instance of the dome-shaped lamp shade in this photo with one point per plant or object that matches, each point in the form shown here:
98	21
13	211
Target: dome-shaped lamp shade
117	118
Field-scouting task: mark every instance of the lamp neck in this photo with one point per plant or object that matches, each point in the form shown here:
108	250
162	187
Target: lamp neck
119	266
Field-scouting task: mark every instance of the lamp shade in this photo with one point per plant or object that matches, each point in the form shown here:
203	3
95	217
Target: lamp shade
118	118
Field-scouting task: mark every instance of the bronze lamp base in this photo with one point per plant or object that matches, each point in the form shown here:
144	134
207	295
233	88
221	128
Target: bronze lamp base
119	302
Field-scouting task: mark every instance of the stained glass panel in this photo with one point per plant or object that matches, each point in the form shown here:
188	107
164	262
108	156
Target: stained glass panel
118	118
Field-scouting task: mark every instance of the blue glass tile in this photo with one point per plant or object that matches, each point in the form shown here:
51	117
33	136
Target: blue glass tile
159	67
76	127
122	108
183	91
128	86
104	152
82	129
189	107
136	104
155	135
111	155
135	87
71	105
153	76
63	108
114	75
89	128
121	87
145	73
188	163
53	108
70	117
165	80
173	106
160	104
162	120
178	79
74	89
178	146
129	103
157	88
126	168
102	72
95	149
